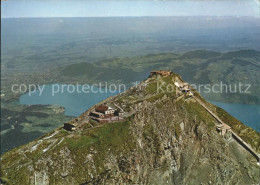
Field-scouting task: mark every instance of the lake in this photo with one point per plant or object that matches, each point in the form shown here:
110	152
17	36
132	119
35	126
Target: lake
248	114
77	103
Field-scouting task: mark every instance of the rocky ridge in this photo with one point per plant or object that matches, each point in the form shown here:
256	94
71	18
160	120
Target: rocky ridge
167	138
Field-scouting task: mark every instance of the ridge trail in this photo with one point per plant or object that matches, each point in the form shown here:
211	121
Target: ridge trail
235	136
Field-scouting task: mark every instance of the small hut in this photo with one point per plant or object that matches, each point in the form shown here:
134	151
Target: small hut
184	87
223	128
160	73
69	126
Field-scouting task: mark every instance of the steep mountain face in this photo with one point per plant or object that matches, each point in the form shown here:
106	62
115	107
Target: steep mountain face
166	138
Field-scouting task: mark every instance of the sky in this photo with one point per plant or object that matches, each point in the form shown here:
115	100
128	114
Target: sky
94	8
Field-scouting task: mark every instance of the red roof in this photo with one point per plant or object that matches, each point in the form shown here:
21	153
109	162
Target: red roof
102	108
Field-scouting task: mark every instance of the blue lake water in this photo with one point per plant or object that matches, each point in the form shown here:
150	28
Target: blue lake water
248	114
74	103
77	103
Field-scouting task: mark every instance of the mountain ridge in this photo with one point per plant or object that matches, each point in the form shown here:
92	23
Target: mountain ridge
167	137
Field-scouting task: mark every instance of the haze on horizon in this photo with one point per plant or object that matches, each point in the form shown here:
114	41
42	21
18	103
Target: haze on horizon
119	8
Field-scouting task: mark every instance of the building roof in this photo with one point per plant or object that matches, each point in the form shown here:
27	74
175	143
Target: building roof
102	108
182	84
225	126
160	71
185	88
97	113
74	124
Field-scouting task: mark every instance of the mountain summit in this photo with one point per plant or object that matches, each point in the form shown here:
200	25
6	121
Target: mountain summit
158	132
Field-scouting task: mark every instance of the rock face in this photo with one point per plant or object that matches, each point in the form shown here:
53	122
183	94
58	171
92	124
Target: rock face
167	138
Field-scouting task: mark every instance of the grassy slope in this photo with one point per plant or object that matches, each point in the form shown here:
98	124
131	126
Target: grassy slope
109	139
248	134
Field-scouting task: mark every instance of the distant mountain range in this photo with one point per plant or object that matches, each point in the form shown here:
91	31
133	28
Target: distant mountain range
199	67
